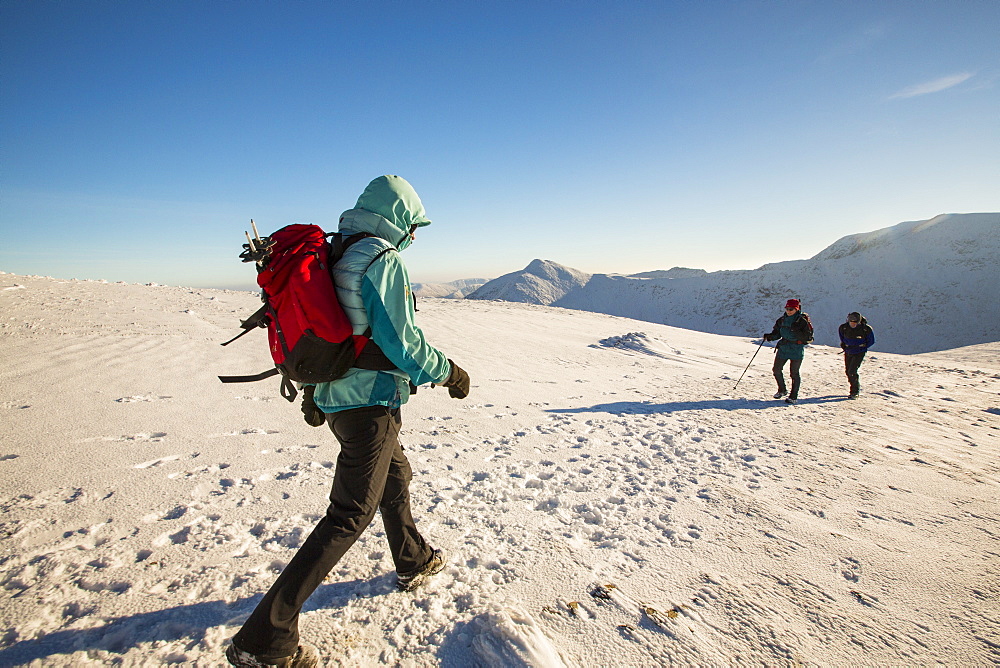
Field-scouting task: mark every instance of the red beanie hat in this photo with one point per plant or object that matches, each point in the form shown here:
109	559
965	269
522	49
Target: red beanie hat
793	303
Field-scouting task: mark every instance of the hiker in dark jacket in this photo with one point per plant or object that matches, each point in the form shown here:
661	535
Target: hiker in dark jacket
792	331
856	337
362	409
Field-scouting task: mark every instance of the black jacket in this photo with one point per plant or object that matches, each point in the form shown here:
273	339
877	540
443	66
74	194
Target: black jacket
856	340
801	328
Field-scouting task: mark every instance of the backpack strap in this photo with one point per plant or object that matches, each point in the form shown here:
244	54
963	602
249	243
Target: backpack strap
341	244
288	390
372	358
249	379
380	254
258	319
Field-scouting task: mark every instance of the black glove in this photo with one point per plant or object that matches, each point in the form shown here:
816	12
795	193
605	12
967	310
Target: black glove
314	417
768	337
457	383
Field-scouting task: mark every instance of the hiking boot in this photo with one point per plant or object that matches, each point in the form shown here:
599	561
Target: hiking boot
789	400
779	394
852	395
305	656
414	579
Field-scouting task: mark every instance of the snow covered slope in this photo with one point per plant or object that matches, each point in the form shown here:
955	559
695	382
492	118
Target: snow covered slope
604	497
924	286
674	272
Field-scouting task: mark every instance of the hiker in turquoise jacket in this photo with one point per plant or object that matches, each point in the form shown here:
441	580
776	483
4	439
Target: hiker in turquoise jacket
792	331
373	287
362	408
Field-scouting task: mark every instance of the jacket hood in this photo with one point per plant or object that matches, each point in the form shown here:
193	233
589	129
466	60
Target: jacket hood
388	208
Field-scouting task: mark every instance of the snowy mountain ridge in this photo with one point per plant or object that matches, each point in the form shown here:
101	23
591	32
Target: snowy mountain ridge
923	285
451	290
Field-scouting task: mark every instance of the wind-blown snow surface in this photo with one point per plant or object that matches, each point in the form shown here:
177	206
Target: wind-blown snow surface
924	286
604	496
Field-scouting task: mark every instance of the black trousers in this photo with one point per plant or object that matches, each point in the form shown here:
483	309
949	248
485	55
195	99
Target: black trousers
851	365
793	371
372	474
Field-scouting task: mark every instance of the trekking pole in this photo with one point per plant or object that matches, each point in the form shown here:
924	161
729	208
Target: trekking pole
750	362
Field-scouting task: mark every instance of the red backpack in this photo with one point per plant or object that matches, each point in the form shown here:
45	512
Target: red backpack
310	336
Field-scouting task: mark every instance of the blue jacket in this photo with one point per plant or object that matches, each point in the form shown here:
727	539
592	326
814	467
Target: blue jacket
373	287
856	340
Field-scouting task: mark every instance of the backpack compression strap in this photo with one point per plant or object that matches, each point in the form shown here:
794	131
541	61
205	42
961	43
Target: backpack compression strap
249	379
258	319
288	390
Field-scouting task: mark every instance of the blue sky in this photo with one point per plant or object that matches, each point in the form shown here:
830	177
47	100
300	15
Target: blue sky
139	138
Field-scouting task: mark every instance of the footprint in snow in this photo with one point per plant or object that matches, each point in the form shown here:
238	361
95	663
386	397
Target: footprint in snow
175	538
175	514
156	462
850	568
249	431
140	398
155	437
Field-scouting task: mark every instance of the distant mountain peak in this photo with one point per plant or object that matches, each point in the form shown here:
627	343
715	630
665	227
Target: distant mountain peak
554	270
541	282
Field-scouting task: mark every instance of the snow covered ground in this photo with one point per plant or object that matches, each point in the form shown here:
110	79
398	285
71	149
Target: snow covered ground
605	496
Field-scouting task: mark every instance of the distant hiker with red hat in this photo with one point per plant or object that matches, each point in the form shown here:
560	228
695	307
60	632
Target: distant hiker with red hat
792	331
856	337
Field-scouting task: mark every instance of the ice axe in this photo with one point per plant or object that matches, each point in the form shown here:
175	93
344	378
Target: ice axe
750	362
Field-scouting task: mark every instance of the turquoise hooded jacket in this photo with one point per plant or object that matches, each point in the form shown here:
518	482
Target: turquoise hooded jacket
373	287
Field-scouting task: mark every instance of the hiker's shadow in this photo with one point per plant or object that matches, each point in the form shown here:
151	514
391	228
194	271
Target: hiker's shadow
652	408
186	623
